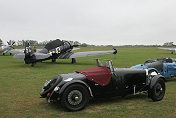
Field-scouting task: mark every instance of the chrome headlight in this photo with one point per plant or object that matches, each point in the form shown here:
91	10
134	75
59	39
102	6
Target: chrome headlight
56	88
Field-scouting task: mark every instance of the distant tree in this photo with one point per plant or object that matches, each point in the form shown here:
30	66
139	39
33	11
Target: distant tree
1	42
19	43
77	43
33	42
43	43
109	45
84	45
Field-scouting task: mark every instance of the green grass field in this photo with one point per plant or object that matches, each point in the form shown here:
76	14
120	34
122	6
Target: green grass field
20	86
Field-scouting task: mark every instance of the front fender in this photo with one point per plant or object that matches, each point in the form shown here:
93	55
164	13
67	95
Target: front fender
73	82
149	69
154	79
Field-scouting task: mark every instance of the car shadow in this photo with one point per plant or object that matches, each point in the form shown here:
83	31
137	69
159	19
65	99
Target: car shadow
99	101
171	80
117	99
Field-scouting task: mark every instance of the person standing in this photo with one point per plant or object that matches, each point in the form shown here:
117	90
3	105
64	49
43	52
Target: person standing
114	53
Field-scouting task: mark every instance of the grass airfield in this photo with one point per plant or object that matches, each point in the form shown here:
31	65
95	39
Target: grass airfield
20	86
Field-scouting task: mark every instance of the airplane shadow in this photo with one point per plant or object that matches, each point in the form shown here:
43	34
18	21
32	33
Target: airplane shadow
5	55
78	63
43	64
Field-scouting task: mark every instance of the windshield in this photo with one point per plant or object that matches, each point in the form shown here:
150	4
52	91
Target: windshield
174	60
103	62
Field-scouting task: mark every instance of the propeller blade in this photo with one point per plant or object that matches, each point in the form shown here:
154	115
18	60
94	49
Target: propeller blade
8	43
13	43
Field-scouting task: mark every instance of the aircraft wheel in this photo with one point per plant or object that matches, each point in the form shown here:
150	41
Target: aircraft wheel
75	97
158	90
53	60
3	53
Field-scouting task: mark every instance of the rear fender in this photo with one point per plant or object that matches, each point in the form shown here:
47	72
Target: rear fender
73	82
154	80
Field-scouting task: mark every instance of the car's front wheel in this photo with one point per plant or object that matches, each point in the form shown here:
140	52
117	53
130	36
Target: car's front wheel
75	97
158	90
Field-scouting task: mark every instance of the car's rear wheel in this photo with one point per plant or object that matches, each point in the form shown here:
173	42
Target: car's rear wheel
75	97
158	90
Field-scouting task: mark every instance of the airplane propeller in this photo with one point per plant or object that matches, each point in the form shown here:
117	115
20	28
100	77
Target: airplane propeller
8	43
29	54
11	44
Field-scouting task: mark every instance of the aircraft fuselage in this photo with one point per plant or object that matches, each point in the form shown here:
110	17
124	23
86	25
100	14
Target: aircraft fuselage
4	49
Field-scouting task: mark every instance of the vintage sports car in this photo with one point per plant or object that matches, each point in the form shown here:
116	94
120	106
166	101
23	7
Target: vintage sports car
74	90
164	66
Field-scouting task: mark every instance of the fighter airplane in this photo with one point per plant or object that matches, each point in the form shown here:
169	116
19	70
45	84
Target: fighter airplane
56	49
6	48
172	50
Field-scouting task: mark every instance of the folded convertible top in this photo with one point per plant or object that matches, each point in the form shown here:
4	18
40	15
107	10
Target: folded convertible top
99	75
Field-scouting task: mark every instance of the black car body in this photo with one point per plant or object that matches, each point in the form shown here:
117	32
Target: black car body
75	89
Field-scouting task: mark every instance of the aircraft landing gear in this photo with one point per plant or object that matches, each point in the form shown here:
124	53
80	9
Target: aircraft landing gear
53	60
32	65
73	60
3	53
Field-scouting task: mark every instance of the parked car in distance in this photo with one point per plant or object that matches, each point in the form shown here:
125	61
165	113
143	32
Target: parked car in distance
74	90
163	66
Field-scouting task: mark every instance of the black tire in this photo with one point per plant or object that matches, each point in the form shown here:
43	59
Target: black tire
73	92
158	90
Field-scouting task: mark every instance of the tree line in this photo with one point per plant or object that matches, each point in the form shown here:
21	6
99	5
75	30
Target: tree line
42	43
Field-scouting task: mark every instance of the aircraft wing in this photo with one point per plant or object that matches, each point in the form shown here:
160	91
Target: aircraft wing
83	54
75	48
6	51
16	51
169	49
37	55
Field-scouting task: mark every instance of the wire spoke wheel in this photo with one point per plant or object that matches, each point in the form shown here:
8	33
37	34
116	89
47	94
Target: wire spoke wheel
75	97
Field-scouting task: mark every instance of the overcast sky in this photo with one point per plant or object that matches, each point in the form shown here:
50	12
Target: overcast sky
99	22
